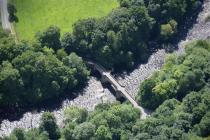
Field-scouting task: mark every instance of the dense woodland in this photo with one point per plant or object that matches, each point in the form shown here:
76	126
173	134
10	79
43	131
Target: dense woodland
186	119
49	67
31	73
129	33
178	77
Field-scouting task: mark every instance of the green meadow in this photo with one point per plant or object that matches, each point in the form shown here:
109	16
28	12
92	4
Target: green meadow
36	15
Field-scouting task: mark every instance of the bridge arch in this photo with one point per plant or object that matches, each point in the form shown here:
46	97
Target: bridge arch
107	77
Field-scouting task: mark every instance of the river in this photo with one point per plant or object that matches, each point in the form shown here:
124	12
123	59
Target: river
94	93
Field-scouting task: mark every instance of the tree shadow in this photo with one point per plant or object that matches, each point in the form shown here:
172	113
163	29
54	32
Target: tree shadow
16	112
183	30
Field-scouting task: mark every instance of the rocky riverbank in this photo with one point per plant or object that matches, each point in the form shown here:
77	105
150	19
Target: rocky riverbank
94	93
200	30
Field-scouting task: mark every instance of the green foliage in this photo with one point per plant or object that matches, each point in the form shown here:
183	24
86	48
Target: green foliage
34	73
121	38
11	84
76	115
84	131
75	62
168	30
48	124
50	37
185	119
61	54
107	40
173	119
19	134
179	76
48	73
30	74
33	134
203	128
12	13
191	136
103	133
164	10
68	131
108	121
115	119
8	49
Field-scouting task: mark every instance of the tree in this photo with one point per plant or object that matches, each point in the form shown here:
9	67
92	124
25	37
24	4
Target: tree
164	10
143	21
34	134
11	84
203	128
68	131
12	11
113	120
179	76
76	62
19	134
142	136
84	131
68	43
99	119
146	96
166	31
103	133
50	38
61	54
128	115
166	109
9	50
74	114
44	76
48	124
190	136
82	32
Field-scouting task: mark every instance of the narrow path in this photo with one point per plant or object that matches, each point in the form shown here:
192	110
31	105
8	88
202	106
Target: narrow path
94	93
6	25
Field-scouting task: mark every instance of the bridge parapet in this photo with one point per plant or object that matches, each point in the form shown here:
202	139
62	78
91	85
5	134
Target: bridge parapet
107	77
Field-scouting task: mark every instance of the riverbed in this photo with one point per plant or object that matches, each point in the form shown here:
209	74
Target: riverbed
199	30
94	93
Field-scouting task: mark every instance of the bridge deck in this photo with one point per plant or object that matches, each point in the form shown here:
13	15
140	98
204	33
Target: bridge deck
118	87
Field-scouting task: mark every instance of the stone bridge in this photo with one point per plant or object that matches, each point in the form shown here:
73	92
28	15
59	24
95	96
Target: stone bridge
120	90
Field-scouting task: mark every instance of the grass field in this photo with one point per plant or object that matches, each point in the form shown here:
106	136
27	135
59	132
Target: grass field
36	15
